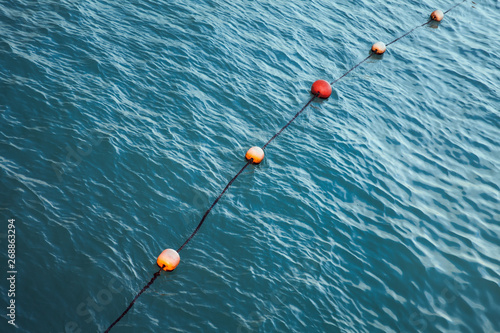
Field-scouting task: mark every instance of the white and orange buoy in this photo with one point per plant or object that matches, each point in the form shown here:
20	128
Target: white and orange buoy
256	154
168	260
437	15
322	89
378	48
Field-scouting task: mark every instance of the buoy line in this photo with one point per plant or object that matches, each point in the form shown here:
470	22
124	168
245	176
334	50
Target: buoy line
169	258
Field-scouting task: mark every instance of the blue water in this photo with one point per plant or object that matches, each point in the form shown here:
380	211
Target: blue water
377	210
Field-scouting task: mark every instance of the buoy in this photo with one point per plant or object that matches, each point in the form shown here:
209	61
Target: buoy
378	48
437	15
255	153
321	88
168	260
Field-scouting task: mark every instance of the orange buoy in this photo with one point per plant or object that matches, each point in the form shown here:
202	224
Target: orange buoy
437	15
378	48
256	154
168	260
321	88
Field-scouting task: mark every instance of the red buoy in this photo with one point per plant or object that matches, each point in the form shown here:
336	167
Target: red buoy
321	88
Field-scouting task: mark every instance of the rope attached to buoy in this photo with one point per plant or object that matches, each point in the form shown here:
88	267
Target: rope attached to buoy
214	203
169	258
291	120
155	276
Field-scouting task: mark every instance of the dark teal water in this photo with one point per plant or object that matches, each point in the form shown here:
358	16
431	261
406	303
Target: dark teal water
376	211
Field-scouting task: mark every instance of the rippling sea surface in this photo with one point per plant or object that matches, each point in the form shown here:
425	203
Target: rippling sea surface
377	210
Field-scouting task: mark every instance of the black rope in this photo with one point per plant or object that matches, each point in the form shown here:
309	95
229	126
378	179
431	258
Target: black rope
157	274
214	203
291	120
419	26
409	32
353	68
458	4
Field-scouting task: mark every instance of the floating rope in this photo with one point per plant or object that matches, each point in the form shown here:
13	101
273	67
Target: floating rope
155	276
169	259
291	120
214	203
